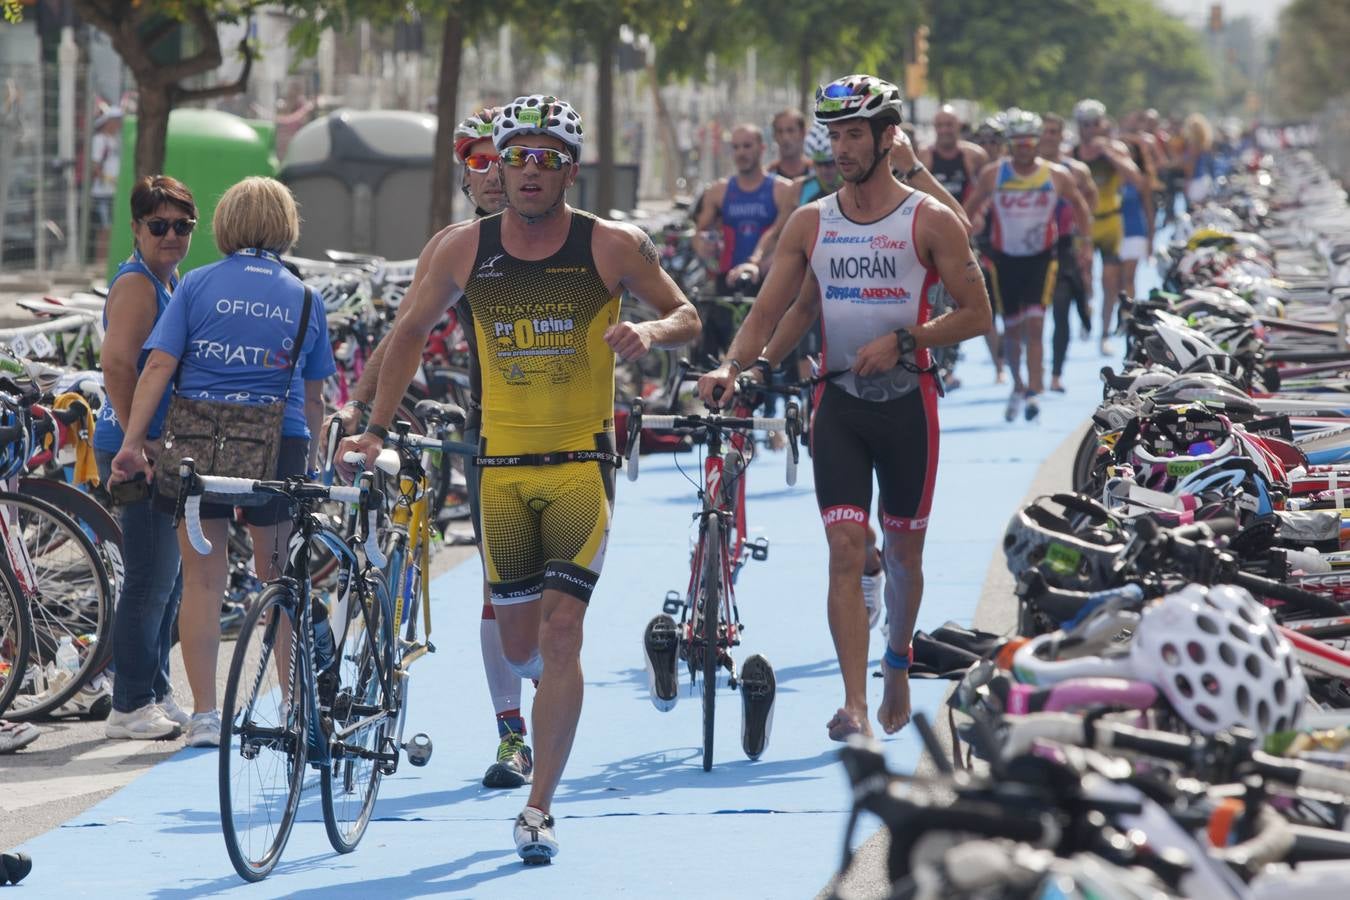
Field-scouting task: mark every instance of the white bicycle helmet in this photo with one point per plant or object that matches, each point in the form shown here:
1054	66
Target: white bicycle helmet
1215	653
1237	479
1088	110
1176	345
539	114
475	127
818	144
1175	441
1021	123
859	97
1209	389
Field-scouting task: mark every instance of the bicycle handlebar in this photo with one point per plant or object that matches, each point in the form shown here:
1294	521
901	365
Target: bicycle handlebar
789	423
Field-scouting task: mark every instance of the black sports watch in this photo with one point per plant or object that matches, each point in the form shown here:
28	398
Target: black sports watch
918	167
378	430
905	342
762	363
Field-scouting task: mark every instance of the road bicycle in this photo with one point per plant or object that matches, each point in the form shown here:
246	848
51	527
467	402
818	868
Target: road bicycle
709	624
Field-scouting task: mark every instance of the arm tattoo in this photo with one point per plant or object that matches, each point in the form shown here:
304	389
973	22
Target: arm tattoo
973	273
648	249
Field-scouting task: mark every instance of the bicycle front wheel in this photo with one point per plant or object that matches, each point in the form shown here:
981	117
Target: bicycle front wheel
16	630
263	740
354	692
710	602
64	579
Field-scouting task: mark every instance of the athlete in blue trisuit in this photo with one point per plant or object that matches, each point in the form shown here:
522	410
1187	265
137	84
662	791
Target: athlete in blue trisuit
869	258
750	207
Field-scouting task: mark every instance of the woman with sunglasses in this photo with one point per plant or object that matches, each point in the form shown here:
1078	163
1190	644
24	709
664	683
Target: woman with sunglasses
163	215
232	334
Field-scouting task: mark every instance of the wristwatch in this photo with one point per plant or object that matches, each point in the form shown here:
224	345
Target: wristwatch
905	342
378	430
763	364
918	167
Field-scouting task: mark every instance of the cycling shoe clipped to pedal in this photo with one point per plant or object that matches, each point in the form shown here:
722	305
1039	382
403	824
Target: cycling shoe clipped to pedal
758	686
14	867
660	649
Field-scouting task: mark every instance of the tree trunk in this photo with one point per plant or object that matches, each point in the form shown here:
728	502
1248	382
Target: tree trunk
154	103
674	167
443	186
805	89
605	61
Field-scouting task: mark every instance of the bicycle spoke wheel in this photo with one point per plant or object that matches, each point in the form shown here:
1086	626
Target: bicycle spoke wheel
64	579
354	694
263	738
710	601
16	628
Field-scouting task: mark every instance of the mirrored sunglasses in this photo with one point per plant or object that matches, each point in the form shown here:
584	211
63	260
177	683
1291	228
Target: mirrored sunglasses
552	160
481	162
160	227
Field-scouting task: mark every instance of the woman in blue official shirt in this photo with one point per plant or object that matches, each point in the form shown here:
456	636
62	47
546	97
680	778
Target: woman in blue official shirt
163	216
232	326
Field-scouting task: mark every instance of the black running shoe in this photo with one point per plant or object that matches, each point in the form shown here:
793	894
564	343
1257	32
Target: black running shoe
661	645
514	766
757	692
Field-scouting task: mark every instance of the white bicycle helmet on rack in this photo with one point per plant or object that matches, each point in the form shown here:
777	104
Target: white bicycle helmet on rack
1214	652
1175	344
1173	442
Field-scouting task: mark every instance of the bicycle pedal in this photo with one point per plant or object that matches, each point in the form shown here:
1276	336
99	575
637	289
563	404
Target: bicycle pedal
418	748
673	604
759	549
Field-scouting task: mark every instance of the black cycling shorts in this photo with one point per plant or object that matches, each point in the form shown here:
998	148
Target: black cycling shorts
897	439
1023	285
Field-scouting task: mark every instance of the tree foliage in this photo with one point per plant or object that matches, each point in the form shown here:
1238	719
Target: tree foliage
1047	54
1312	64
136	29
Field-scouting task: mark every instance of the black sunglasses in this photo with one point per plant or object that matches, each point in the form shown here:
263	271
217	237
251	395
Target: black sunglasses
160	227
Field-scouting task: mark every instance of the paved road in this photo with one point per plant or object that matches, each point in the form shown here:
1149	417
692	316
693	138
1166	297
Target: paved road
73	766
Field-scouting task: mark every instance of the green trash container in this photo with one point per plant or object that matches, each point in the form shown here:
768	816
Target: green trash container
208	150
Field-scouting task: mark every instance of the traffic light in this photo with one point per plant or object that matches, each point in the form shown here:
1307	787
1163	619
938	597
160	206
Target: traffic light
916	70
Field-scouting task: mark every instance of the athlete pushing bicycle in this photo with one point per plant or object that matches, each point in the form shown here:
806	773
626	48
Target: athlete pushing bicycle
869	255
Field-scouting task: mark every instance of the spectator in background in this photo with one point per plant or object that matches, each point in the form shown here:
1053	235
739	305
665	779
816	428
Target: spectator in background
251	302
163	216
105	157
789	133
1197	161
293	112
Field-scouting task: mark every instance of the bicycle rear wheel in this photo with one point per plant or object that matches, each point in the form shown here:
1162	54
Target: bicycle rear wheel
355	695
263	741
710	604
16	636
66	584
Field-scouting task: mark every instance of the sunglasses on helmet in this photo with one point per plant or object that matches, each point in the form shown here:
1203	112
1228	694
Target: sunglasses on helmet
160	227
544	158
481	162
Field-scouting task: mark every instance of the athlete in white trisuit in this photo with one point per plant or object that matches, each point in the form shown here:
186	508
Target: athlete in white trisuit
871	253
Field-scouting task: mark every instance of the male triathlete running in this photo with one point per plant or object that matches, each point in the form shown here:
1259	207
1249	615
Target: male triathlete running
1111	167
1022	191
751	207
1073	253
954	162
543	281
789	131
988	137
481	183
873	251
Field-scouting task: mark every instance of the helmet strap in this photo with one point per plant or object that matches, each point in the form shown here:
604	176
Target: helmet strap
878	129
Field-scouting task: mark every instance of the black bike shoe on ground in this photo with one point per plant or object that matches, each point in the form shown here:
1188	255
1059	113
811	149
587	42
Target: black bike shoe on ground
514	766
757	693
661	645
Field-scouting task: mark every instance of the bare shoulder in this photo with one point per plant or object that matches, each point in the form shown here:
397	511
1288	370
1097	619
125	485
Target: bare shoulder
1120	146
974	152
938	219
455	252
133	289
610	237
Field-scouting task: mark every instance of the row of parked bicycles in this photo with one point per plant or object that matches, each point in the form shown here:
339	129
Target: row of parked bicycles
1171	718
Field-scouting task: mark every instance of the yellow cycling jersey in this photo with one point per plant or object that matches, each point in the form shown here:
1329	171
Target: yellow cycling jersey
548	375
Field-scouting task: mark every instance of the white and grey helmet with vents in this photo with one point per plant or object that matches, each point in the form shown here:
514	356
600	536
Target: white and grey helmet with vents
539	114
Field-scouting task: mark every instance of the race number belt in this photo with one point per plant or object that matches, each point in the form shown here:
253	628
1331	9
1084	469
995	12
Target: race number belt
549	459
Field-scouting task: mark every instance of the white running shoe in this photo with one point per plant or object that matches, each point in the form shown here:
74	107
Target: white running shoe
149	723
1014	406
173	711
536	842
204	729
871	588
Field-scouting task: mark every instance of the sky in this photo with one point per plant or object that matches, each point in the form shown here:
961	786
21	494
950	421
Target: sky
1265	12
